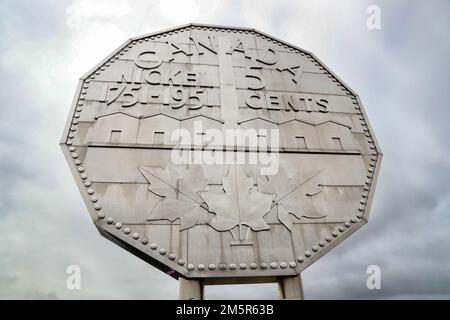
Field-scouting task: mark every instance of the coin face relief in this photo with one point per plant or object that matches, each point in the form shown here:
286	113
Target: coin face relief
215	152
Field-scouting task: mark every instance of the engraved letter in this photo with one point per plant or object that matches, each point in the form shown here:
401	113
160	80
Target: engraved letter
323	105
290	102
272	101
239	47
180	95
270	57
147	64
175	49
200	102
261	83
198	44
251	104
134	97
153	77
295	71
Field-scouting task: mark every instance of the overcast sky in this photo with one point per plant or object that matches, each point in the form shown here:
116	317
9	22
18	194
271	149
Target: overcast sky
400	71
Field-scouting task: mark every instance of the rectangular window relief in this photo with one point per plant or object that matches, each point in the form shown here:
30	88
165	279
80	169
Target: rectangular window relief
337	144
262	142
115	136
201	138
158	137
301	142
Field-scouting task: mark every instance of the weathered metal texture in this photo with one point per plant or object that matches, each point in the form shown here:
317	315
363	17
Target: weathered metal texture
224	223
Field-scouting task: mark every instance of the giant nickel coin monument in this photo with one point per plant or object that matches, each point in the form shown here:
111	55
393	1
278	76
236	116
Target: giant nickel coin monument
221	155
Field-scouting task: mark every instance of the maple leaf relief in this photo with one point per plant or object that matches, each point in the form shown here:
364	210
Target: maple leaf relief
185	195
294	195
240	203
179	195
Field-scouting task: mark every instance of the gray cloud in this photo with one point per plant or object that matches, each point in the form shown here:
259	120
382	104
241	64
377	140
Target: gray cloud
401	73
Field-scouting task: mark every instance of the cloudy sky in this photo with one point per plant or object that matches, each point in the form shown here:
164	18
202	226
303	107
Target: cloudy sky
400	71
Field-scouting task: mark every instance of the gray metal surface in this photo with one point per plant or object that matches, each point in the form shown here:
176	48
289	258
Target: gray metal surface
224	223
